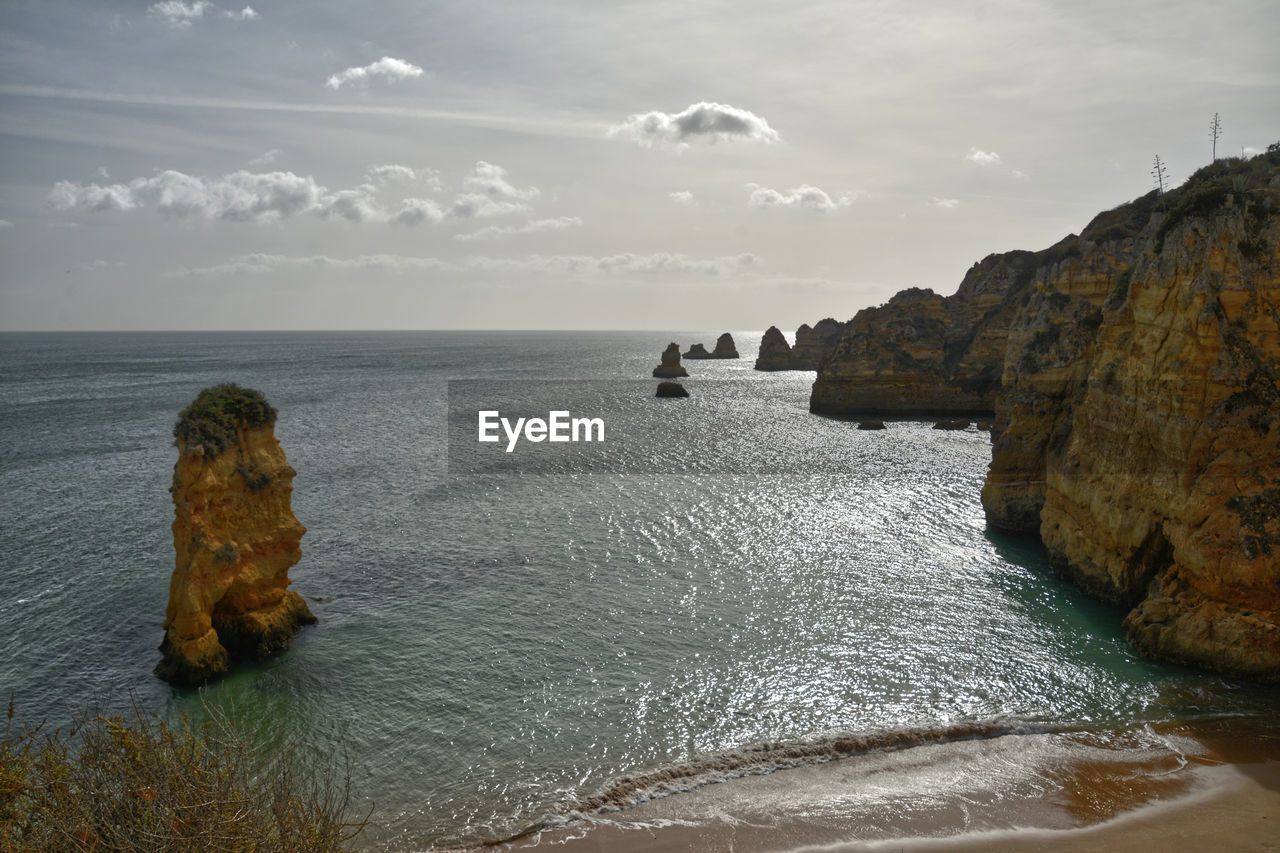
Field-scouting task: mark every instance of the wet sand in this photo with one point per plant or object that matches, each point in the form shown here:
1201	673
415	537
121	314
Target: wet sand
1216	787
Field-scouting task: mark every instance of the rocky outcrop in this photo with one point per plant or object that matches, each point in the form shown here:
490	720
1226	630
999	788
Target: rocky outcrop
775	352
697	351
871	425
725	348
670	367
925	354
1138	429
814	345
672	389
235	537
951	424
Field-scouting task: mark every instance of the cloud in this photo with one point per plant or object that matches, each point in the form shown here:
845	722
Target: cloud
709	121
178	14
494	232
99	264
388	67
983	158
683	197
621	264
263	160
487	192
238	197
266	197
5	224
945	203
245	14
803	196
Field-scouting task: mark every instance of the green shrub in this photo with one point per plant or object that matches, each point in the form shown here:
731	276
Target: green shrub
211	420
128	784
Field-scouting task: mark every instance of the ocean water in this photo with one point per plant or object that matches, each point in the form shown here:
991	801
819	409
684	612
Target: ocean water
726	585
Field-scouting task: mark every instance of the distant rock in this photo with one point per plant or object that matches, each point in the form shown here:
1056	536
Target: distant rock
670	367
725	347
775	352
815	345
871	425
952	424
672	389
697	351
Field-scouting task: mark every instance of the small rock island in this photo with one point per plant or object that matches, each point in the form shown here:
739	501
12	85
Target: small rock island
235	537
670	368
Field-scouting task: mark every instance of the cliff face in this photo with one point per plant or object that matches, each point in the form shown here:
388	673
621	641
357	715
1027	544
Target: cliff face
924	354
775	352
235	537
813	345
1138	431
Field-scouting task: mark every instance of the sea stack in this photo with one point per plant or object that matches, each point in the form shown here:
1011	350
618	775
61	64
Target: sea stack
670	367
775	352
672	389
725	347
814	345
697	351
235	537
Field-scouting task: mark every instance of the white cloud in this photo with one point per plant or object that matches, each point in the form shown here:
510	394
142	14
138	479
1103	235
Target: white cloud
983	158
1019	174
5	224
710	121
265	159
178	14
103	173
245	14
494	232
683	197
803	196
266	197
945	203
99	264
389	67
620	264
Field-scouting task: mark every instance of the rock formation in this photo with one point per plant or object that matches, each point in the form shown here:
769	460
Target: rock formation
813	345
871	425
697	351
235	536
670	367
924	354
672	389
725	347
775	352
1134	372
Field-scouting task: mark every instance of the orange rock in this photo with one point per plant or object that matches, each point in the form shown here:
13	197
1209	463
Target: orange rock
235	537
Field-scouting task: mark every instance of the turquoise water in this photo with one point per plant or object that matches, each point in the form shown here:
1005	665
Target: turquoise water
500	639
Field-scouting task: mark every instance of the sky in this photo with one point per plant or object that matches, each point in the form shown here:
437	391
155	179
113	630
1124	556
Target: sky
701	164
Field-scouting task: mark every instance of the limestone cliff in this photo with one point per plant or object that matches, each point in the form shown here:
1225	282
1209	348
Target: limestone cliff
775	352
813	345
925	354
235	537
1138	429
725	347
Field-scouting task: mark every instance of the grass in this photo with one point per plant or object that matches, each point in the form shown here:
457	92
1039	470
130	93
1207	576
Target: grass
133	783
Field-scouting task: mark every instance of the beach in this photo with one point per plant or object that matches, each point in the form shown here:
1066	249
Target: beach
1222	793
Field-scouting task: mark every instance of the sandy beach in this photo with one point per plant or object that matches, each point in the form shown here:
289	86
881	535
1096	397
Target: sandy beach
1217	788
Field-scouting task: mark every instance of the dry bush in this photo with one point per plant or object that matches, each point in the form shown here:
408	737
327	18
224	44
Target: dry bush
142	783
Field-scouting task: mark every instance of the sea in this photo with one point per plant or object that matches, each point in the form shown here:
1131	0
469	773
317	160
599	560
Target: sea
514	641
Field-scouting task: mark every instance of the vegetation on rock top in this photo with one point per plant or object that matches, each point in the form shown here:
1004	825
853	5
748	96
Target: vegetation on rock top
210	422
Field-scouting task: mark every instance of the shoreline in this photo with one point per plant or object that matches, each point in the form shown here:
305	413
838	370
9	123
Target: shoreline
1216	786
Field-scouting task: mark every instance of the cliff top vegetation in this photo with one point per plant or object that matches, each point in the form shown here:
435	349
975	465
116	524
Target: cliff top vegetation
211	420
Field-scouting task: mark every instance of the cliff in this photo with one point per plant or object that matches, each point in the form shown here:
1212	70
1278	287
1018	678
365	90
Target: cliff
925	354
813	345
1141	423
775	352
235	537
725	347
